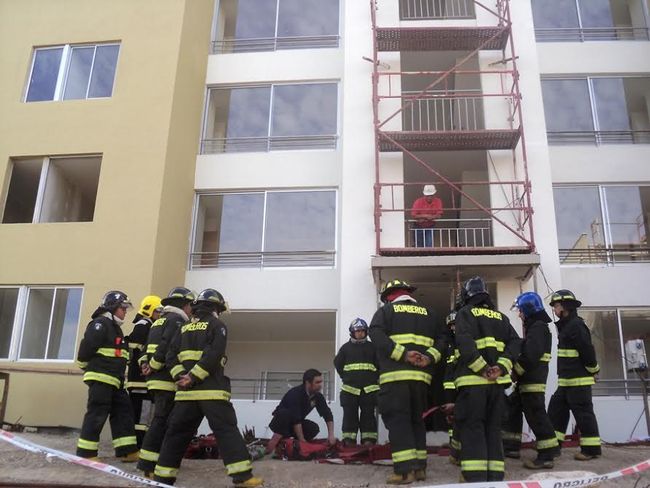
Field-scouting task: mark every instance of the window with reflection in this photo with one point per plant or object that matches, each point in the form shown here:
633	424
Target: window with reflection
635	324
605	337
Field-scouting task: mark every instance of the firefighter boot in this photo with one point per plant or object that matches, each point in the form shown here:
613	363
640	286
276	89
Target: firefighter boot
132	457
251	482
538	463
420	474
401	479
581	456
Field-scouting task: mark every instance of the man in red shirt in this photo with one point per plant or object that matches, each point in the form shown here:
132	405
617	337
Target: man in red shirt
425	211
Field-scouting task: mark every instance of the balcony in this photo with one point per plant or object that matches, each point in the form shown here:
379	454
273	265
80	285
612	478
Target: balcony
436	9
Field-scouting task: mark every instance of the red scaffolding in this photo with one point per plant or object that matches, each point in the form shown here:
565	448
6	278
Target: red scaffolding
463	130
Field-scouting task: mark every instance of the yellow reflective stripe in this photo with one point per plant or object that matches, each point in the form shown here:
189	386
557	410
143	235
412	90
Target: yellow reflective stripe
472	380
496	466
141	427
412	339
590	441
88	445
165	472
421	453
349	435
451	359
149	455
506	363
239	467
200	395
568	353
176	370
511	436
560	435
435	353
478	364
155	365
402	456
593	370
546	357
351	389
455	444
135	345
161	385
111	352
136	384
369	435
125	441
199	372
473	465
397	353
151	348
519	369
371	388
485	342
102	378
360	367
190	355
504	380
585	381
405	376
82	364
547	443
449	385
533	388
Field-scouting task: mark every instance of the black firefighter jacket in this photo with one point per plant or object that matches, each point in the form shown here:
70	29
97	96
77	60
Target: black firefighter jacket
356	364
576	357
532	365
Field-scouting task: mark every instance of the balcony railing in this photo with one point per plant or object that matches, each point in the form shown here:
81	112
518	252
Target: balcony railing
271	389
620	388
598	137
266	259
450	233
617	255
436	9
265	144
459	112
587	34
230	45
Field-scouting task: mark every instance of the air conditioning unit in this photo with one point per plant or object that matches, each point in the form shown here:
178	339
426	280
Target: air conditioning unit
635	355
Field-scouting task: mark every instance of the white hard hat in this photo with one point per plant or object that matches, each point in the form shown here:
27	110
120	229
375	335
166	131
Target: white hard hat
429	190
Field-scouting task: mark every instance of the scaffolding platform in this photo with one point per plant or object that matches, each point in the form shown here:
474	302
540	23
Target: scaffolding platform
452	251
488	139
442	38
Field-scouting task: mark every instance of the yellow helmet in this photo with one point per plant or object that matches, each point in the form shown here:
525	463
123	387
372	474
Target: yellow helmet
149	304
395	285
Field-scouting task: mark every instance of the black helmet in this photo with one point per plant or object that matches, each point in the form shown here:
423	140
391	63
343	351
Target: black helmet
179	293
472	287
114	299
566	297
358	324
212	297
395	285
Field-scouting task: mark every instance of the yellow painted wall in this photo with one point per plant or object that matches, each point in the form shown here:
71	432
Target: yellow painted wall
148	134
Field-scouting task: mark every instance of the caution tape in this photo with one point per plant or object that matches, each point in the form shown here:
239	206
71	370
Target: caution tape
71	458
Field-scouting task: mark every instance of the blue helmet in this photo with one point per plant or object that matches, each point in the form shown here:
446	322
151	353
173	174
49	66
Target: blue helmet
529	303
358	324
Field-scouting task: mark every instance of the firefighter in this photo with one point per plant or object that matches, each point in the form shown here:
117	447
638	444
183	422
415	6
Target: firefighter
177	309
150	310
103	355
576	368
487	345
356	364
450	390
196	360
531	371
409	339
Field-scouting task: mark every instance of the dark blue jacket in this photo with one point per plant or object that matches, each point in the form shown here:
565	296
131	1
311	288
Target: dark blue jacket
300	405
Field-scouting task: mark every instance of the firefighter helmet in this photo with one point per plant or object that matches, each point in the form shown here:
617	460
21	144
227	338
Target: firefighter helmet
149	305
114	299
565	296
451	319
358	324
179	293
529	303
393	285
212	297
472	287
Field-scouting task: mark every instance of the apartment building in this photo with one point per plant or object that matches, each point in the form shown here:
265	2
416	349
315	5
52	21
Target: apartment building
293	138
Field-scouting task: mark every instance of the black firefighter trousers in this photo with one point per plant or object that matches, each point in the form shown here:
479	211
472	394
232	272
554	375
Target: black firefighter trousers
107	401
183	423
401	404
163	402
478	416
359	413
577	400
532	405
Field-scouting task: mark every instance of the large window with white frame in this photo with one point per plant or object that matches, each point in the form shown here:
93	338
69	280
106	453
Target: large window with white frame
602	224
590	20
597	109
39	322
271	117
264	229
52	189
70	72
269	25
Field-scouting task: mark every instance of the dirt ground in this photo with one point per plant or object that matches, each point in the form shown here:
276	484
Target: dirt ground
17	465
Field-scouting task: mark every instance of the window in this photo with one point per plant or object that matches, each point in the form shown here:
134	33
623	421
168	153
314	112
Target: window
62	189
436	9
267	25
603	224
590	20
72	72
600	110
39	323
265	229
271	117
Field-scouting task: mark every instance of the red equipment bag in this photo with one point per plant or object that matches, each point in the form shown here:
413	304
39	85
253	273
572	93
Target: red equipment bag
295	450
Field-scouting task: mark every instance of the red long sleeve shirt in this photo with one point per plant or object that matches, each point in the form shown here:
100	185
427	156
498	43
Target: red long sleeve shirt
425	212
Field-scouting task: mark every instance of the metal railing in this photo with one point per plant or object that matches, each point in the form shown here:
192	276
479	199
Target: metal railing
264	259
450	233
619	387
265	144
587	34
231	45
443	112
599	137
271	389
436	9
595	255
